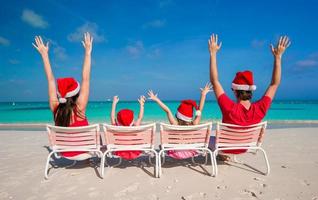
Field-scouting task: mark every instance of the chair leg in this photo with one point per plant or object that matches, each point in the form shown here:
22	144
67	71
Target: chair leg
159	163
57	156
163	158
149	158
215	153
212	162
236	160
71	165
206	159
101	165
156	162
47	165
193	161
120	161
104	161
266	160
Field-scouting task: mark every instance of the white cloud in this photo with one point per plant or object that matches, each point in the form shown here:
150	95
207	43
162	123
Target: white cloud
155	53
33	19
307	63
258	43
4	41
59	52
90	27
158	23
135	49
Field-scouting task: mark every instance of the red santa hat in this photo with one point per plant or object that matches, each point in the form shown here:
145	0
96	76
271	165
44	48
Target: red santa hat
185	110
243	81
125	117
67	87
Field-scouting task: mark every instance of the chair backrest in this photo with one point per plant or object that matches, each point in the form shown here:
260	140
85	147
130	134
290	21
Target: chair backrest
196	136
74	138
230	135
129	137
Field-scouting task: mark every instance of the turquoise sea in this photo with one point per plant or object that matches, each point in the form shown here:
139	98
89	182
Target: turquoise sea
38	112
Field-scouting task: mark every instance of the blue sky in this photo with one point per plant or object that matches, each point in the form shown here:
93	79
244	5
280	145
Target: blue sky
157	44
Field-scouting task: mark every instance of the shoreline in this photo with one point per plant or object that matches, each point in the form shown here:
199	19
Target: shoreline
272	124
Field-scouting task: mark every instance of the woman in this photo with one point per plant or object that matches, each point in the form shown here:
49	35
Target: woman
69	100
243	112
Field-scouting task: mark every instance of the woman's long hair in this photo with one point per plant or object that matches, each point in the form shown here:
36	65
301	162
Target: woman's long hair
63	113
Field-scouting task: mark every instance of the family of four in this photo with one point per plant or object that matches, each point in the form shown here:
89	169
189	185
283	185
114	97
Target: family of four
68	98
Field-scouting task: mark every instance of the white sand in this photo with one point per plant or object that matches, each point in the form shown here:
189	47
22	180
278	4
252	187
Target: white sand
293	156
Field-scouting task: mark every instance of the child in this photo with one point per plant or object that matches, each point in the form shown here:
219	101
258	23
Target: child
125	117
184	117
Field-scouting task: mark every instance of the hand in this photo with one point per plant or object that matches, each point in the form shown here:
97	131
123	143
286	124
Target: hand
282	45
40	46
142	100
213	44
152	96
115	99
87	43
208	88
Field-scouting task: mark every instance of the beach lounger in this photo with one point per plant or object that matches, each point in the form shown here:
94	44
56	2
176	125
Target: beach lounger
235	137
129	138
70	139
174	137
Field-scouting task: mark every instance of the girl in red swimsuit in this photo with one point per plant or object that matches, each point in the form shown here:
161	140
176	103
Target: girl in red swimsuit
69	100
125	117
184	117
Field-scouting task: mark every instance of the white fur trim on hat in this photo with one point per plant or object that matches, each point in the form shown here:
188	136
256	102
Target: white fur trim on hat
119	124
71	93
183	117
62	100
243	87
198	113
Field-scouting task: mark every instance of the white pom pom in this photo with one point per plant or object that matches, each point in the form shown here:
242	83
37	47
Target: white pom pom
198	113
62	100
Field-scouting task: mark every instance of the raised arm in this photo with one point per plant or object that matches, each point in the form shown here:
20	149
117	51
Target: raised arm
113	112
84	93
155	98
214	47
43	50
141	101
204	92
277	51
